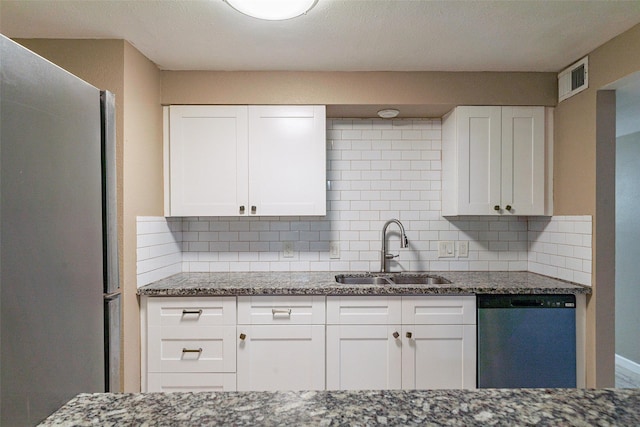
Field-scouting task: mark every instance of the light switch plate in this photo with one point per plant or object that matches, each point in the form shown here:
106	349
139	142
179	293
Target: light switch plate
287	250
334	250
446	249
463	249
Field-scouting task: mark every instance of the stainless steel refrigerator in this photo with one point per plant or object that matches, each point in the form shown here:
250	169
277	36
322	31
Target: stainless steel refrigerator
59	289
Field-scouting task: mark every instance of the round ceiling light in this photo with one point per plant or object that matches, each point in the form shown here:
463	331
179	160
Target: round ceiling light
388	113
272	10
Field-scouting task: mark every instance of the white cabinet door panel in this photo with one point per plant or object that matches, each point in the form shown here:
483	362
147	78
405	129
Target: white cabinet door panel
171	382
479	159
287	160
362	357
281	310
281	357
523	145
208	166
439	357
364	310
194	349
190	311
439	310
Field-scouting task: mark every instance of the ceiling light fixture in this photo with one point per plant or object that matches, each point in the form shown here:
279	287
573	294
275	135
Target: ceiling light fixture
272	10
388	113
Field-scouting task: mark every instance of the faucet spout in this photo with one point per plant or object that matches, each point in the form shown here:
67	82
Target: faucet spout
404	242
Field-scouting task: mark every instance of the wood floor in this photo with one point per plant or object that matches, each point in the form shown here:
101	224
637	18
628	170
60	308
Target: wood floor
626	378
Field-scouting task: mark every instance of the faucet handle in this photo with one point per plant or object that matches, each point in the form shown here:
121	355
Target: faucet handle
391	256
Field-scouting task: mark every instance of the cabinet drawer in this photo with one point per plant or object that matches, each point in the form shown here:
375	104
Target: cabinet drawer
191	311
195	349
439	310
281	310
173	381
359	310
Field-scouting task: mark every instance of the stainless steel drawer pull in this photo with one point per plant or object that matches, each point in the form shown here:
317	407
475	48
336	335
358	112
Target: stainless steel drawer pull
192	350
198	312
281	312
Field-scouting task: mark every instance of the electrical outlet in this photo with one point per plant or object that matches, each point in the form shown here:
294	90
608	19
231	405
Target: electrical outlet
446	249
287	250
463	249
334	250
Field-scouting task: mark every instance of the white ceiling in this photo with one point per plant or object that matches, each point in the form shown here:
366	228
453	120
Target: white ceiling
349	35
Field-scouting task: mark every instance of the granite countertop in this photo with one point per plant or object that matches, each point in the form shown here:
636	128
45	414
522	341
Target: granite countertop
486	407
324	283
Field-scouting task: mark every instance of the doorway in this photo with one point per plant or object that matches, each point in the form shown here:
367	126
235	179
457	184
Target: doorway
627	235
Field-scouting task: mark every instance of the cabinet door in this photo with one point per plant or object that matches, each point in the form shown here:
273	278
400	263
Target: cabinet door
208	148
287	160
479	146
523	156
361	357
280	357
439	357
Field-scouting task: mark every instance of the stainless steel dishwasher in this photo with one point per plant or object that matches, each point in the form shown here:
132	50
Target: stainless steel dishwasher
526	341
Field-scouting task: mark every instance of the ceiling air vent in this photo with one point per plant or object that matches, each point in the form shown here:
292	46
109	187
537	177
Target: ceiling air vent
574	79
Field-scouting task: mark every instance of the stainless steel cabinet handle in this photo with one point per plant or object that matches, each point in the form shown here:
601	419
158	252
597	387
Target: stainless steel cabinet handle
281	312
198	312
253	209
409	335
242	337
396	335
242	209
192	350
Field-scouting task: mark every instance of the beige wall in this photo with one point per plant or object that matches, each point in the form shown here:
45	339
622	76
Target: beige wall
579	189
358	88
116	66
142	187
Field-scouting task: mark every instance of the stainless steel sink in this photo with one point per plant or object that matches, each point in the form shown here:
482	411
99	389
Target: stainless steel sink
418	279
392	279
362	280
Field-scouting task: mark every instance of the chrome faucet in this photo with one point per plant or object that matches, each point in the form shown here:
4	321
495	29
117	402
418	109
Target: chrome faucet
384	256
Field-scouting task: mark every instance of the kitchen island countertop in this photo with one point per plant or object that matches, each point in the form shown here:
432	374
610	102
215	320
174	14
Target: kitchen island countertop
540	407
324	283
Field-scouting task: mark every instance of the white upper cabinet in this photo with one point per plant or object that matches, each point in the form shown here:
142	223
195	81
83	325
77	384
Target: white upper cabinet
245	160
496	161
207	160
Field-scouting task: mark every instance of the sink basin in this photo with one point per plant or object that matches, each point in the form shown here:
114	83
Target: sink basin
392	279
418	279
362	280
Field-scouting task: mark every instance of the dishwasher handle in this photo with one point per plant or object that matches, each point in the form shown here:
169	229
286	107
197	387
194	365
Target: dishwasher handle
527	303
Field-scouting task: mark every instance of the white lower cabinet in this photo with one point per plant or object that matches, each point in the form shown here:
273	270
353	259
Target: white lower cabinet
429	347
190	343
280	357
363	357
308	343
281	342
439	357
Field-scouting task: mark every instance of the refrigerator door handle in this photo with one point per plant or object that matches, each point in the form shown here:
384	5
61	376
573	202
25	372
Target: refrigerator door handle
111	296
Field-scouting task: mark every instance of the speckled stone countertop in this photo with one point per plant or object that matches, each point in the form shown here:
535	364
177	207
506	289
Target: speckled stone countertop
324	283
486	407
